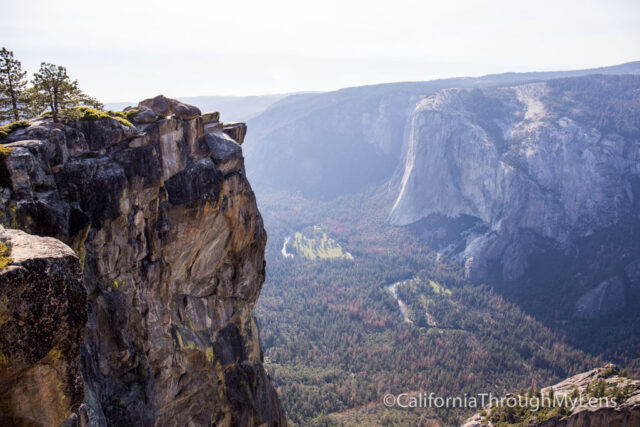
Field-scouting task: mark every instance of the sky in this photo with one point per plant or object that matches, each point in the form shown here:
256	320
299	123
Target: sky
130	50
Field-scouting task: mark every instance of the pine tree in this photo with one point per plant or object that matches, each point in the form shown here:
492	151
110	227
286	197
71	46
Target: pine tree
54	89
13	102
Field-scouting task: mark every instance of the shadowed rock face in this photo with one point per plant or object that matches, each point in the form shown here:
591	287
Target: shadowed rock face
604	299
43	311
171	243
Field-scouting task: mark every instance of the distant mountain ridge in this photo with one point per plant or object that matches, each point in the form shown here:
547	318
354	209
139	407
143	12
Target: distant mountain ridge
323	145
312	140
529	180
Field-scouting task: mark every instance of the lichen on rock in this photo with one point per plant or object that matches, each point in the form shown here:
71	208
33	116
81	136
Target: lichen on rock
43	311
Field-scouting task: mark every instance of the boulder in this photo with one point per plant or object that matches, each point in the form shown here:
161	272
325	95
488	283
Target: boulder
237	131
163	106
210	118
43	311
222	147
145	116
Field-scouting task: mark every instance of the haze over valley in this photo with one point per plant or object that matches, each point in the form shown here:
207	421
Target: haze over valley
320	214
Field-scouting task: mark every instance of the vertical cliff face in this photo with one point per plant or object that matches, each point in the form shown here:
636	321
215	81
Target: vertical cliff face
171	244
537	165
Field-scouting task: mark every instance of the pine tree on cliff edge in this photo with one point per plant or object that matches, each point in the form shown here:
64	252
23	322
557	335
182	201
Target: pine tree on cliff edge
53	89
13	100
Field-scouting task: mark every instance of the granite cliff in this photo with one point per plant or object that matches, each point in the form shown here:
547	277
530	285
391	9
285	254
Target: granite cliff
598	398
496	176
326	145
43	311
153	314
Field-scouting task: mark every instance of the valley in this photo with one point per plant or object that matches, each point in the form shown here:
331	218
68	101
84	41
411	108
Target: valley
425	305
334	341
320	214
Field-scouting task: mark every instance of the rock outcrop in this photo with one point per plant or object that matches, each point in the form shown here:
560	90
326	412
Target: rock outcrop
171	244
606	298
537	166
236	131
43	312
163	106
601	397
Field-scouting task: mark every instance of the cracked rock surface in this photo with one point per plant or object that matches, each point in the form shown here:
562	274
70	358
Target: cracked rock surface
169	246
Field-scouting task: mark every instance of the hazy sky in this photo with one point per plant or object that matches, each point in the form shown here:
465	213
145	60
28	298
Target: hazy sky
129	50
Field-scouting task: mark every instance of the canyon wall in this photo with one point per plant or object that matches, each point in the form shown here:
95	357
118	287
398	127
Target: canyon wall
170	245
520	170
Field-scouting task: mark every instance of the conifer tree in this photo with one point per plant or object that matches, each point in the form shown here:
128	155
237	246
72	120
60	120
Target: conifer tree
54	89
13	99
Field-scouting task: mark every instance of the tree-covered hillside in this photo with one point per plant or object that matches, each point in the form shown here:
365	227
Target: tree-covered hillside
334	339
